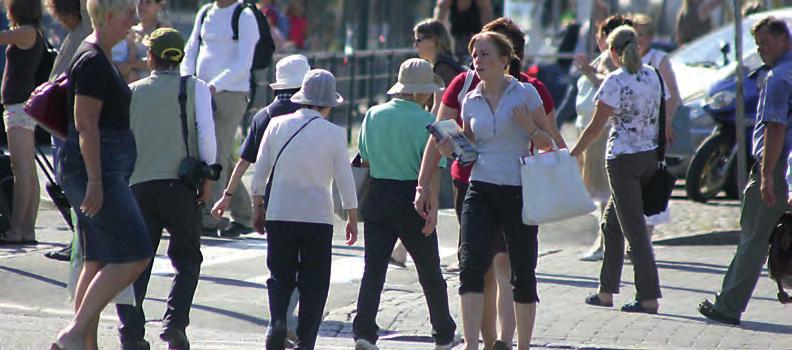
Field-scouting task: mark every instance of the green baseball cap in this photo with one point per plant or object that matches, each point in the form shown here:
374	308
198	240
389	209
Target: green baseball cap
166	43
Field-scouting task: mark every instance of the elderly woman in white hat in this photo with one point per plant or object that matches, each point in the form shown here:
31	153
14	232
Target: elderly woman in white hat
392	141
289	74
300	156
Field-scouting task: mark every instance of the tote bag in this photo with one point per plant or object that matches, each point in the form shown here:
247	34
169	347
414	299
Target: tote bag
552	189
362	183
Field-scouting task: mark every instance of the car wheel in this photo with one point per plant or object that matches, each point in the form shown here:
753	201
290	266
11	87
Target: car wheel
710	169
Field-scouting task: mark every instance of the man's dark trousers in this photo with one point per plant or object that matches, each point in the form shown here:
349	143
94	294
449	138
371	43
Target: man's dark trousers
171	205
390	215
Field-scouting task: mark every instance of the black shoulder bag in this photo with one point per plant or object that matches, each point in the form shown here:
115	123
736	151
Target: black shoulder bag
657	192
268	189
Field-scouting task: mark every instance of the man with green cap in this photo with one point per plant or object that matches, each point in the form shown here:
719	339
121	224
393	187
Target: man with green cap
159	104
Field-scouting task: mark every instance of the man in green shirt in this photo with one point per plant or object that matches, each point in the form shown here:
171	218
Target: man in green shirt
392	141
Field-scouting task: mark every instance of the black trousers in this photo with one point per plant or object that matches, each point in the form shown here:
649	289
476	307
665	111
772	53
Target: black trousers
298	256
487	208
390	216
167	204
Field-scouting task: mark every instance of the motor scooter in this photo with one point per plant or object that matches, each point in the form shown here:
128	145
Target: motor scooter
713	167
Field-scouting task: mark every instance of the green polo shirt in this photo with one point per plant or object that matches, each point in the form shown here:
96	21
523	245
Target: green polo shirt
392	139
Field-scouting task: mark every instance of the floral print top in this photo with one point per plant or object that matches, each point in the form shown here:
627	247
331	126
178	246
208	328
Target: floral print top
636	102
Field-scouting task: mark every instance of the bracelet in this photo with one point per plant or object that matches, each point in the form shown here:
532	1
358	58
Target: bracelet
229	194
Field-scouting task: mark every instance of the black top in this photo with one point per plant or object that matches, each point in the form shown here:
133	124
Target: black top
282	105
92	74
467	22
19	75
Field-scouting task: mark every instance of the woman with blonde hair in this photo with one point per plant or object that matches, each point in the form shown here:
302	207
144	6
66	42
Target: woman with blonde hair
96	162
630	97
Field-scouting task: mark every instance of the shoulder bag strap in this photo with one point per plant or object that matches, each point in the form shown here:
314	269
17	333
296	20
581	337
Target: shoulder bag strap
268	189
183	110
661	136
468	81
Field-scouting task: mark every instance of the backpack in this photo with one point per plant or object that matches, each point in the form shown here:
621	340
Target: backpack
265	47
779	261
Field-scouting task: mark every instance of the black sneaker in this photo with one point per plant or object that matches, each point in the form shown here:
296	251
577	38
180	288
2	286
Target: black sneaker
135	345
707	309
60	255
176	339
210	232
235	230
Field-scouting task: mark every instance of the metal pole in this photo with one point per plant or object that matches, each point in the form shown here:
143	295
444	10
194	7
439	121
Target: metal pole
742	166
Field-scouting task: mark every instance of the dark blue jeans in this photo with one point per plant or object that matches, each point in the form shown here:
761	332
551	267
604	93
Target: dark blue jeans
390	216
298	256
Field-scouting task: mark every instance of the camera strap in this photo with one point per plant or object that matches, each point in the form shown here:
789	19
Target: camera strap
183	111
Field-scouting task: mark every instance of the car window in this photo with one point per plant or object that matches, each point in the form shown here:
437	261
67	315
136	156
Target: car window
706	51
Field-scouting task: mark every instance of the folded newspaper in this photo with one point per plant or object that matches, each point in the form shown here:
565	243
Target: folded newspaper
464	151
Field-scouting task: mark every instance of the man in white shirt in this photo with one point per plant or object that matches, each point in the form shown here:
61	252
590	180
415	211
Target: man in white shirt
212	55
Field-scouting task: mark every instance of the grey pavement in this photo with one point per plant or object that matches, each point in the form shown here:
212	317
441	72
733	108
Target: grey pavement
231	311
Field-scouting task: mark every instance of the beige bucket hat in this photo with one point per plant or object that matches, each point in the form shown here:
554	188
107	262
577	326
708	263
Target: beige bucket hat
416	77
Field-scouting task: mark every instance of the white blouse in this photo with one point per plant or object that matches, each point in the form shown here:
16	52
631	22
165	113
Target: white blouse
636	102
301	186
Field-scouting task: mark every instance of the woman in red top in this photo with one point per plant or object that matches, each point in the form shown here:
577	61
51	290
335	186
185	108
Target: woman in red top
497	279
298	24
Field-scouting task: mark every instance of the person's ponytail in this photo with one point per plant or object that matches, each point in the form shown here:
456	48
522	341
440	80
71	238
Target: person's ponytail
515	67
631	58
624	41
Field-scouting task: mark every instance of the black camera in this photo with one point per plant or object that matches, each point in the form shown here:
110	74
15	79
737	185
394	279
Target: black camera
193	171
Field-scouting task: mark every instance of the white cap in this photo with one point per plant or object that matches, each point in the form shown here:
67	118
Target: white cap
318	89
289	72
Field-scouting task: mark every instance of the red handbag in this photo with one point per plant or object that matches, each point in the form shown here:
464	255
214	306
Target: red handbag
47	105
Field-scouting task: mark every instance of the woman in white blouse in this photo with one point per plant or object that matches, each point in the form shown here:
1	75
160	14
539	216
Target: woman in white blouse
300	156
502	117
630	96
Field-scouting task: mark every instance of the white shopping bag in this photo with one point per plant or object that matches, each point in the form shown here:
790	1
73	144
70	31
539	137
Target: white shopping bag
552	188
125	297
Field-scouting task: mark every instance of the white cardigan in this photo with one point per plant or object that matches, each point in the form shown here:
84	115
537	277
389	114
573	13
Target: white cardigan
301	186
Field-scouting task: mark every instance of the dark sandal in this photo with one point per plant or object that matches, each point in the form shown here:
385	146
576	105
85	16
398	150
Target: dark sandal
595	300
707	309
636	306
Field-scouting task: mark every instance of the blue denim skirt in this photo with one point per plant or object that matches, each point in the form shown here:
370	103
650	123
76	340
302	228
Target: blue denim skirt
117	233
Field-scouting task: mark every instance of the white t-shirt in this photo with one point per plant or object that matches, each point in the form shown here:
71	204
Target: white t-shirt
636	102
653	58
219	60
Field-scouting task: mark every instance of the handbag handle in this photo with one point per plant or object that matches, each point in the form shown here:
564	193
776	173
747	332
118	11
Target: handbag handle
661	136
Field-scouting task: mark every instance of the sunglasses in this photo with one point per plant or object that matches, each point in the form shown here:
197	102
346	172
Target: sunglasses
420	39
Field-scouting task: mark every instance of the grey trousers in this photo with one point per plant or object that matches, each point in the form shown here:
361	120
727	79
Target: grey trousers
230	109
624	218
757	221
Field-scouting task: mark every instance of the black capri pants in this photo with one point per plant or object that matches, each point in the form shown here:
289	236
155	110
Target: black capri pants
488	207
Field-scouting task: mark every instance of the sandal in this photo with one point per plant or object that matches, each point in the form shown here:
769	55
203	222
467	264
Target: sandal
637	307
595	300
707	309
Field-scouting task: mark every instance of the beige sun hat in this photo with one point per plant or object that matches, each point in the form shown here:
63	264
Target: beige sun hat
318	89
416	77
289	72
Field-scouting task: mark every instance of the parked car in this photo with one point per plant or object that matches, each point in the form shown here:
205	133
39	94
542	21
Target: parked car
704	63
